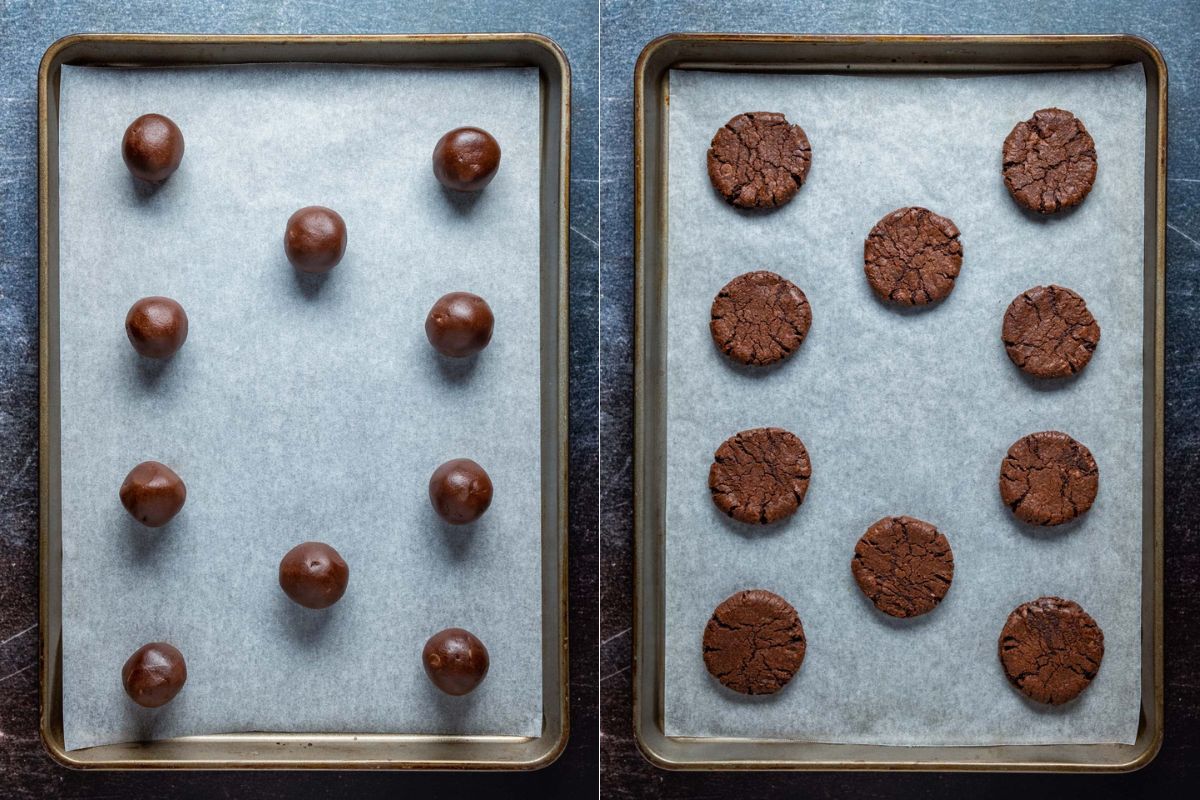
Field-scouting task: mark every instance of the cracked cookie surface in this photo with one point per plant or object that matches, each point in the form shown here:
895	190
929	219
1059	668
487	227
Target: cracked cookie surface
913	256
760	475
759	160
903	565
1049	161
1049	332
754	643
760	318
1048	478
1051	649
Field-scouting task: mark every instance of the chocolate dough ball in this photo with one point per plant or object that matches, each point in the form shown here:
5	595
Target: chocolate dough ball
459	324
152	493
154	674
315	240
313	575
466	159
460	491
455	660
152	147
156	326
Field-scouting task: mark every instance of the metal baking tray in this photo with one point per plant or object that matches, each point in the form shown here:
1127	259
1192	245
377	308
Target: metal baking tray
343	750
883	55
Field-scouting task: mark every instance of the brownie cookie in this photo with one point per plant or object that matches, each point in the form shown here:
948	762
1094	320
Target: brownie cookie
1051	649
912	256
903	565
760	475
754	643
1049	161
759	160
759	318
1048	478
1049	332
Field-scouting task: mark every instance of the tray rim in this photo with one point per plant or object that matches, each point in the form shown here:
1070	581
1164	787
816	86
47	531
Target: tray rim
644	720
550	745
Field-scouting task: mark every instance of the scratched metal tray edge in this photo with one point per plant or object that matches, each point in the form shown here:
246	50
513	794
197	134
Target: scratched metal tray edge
323	751
771	52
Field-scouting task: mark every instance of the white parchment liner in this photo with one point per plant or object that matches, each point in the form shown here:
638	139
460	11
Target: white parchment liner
906	412
299	408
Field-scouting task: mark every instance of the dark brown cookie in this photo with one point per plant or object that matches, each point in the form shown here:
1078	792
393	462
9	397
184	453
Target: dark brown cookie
903	565
1048	478
912	256
760	475
759	160
1049	161
1049	332
760	318
1051	649
754	643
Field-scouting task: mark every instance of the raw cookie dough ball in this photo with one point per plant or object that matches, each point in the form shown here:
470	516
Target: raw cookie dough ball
1049	332
152	147
459	324
760	475
154	674
759	160
754	643
455	660
760	318
153	494
466	159
314	575
460	491
912	257
903	565
156	326
1049	161
1048	478
315	239
1051	649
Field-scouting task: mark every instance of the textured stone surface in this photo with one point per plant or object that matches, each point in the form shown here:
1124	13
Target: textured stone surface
627	26
27	28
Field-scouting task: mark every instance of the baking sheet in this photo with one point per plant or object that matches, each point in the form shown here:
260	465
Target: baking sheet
299	408
905	412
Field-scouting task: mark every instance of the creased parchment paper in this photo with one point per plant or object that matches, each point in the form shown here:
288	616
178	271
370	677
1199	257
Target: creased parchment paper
905	413
298	409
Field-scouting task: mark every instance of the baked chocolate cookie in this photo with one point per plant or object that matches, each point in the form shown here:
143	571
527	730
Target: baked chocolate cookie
760	475
1049	161
754	643
1051	649
903	565
912	256
759	318
759	160
1049	332
1048	478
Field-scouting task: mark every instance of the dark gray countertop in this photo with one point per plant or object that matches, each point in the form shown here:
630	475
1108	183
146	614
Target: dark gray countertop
1172	26
27	28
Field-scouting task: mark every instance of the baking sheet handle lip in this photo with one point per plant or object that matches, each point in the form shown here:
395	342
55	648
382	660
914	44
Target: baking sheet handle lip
52	60
649	750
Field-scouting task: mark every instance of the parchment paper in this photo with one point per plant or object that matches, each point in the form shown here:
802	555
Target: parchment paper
299	408
906	413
